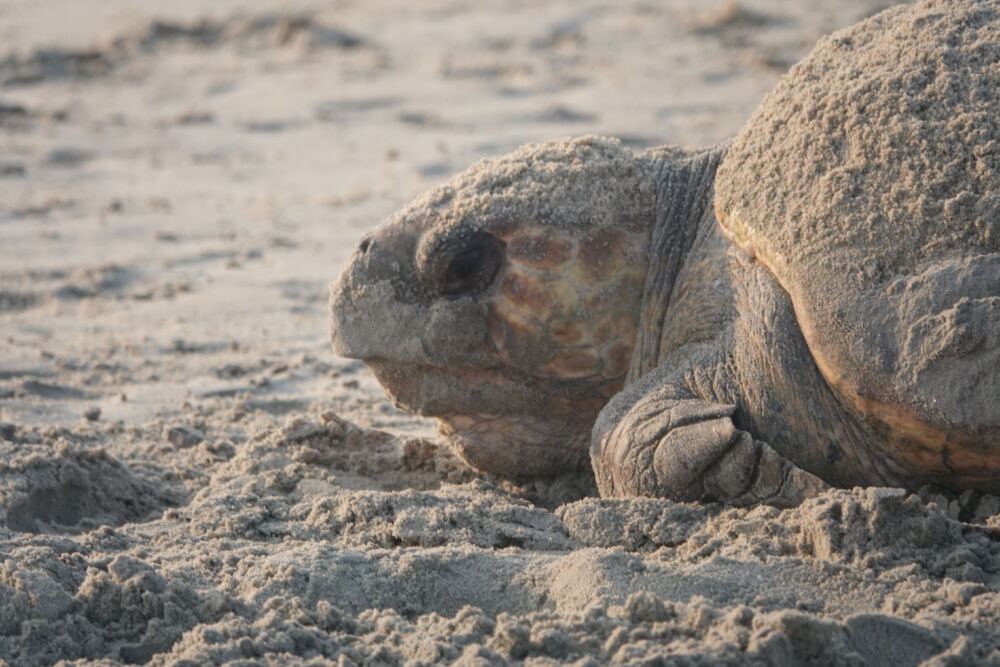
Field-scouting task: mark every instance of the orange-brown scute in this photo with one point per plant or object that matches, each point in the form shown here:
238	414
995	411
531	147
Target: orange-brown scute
525	292
567	304
600	253
567	332
539	252
514	339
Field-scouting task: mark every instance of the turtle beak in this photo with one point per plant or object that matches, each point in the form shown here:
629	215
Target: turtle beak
380	311
364	300
345	329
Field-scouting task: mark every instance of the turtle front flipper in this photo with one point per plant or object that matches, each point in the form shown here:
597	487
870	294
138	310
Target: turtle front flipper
656	438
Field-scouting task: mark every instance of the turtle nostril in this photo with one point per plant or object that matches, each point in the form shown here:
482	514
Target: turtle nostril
363	246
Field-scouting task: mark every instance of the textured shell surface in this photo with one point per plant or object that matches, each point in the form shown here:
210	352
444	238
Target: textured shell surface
868	183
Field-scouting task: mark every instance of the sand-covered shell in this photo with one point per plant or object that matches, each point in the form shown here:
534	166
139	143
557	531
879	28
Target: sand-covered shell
868	183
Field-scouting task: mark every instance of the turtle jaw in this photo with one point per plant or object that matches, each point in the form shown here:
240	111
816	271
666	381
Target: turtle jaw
431	391
497	422
519	446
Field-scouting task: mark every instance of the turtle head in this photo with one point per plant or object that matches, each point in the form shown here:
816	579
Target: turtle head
505	302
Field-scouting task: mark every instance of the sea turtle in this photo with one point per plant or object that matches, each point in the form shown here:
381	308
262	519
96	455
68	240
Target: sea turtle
815	303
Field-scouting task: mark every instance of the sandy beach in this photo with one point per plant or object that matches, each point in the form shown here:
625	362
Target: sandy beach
188	473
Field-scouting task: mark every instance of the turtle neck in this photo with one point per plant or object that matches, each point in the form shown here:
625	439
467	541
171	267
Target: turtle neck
684	189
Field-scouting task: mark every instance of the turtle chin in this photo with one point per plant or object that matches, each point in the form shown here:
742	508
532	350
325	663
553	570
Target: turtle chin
517	447
493	422
432	391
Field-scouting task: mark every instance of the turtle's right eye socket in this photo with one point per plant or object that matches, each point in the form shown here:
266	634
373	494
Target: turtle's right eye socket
463	269
474	267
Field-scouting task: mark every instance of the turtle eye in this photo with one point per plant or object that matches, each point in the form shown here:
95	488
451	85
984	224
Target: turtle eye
474	267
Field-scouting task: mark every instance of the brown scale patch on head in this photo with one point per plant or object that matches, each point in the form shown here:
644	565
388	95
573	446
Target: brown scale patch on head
541	253
519	342
616	357
615	301
602	252
612	327
524	292
567	332
552	315
537	300
574	363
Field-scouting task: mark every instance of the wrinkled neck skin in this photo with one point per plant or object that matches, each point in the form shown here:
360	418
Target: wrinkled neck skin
684	239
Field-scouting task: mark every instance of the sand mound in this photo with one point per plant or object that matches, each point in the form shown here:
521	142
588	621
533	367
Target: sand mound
61	488
289	548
